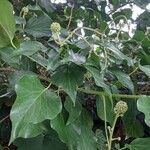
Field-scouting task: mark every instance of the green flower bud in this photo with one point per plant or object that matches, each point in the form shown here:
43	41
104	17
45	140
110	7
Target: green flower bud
55	27
25	10
121	108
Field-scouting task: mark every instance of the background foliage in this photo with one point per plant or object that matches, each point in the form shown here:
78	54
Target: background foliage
59	90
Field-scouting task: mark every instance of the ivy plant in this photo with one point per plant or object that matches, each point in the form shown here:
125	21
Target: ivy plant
74	75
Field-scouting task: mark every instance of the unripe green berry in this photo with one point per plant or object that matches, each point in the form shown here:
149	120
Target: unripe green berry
55	27
121	108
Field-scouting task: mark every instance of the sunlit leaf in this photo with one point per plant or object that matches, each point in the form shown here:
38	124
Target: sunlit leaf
33	105
7	23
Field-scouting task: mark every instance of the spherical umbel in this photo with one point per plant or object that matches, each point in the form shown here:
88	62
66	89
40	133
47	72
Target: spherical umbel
55	27
120	108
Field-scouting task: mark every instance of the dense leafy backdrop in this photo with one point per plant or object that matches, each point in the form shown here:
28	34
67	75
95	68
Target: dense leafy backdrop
58	91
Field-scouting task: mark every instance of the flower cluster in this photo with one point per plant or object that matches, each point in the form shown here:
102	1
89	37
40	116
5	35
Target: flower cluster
55	27
121	108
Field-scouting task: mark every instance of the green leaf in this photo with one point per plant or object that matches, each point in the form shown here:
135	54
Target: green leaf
47	5
28	130
34	104
115	2
7	23
139	35
29	48
109	110
93	60
124	79
19	20
134	128
75	135
14	77
53	60
146	43
87	140
76	58
58	124
101	143
86	119
69	77
145	69
67	134
139	144
42	142
132	125
119	55
127	12
82	44
38	26
74	111
98	77
8	57
143	105
39	59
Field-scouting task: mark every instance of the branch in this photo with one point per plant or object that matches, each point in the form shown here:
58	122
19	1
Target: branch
106	94
70	18
2	120
7	70
85	90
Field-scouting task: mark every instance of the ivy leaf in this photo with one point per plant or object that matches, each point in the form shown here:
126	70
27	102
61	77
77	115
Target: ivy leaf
74	111
118	53
139	144
68	77
124	79
76	58
67	134
98	78
132	125
110	115
134	128
53	60
82	44
101	140
38	58
143	105
42	142
93	60
7	23
125	12
75	135
14	77
29	48
34	104
145	69
87	140
58	124
139	35
8	57
28	130
38	26
86	119
46	4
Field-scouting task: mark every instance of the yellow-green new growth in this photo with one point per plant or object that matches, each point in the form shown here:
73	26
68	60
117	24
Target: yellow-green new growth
121	108
55	27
